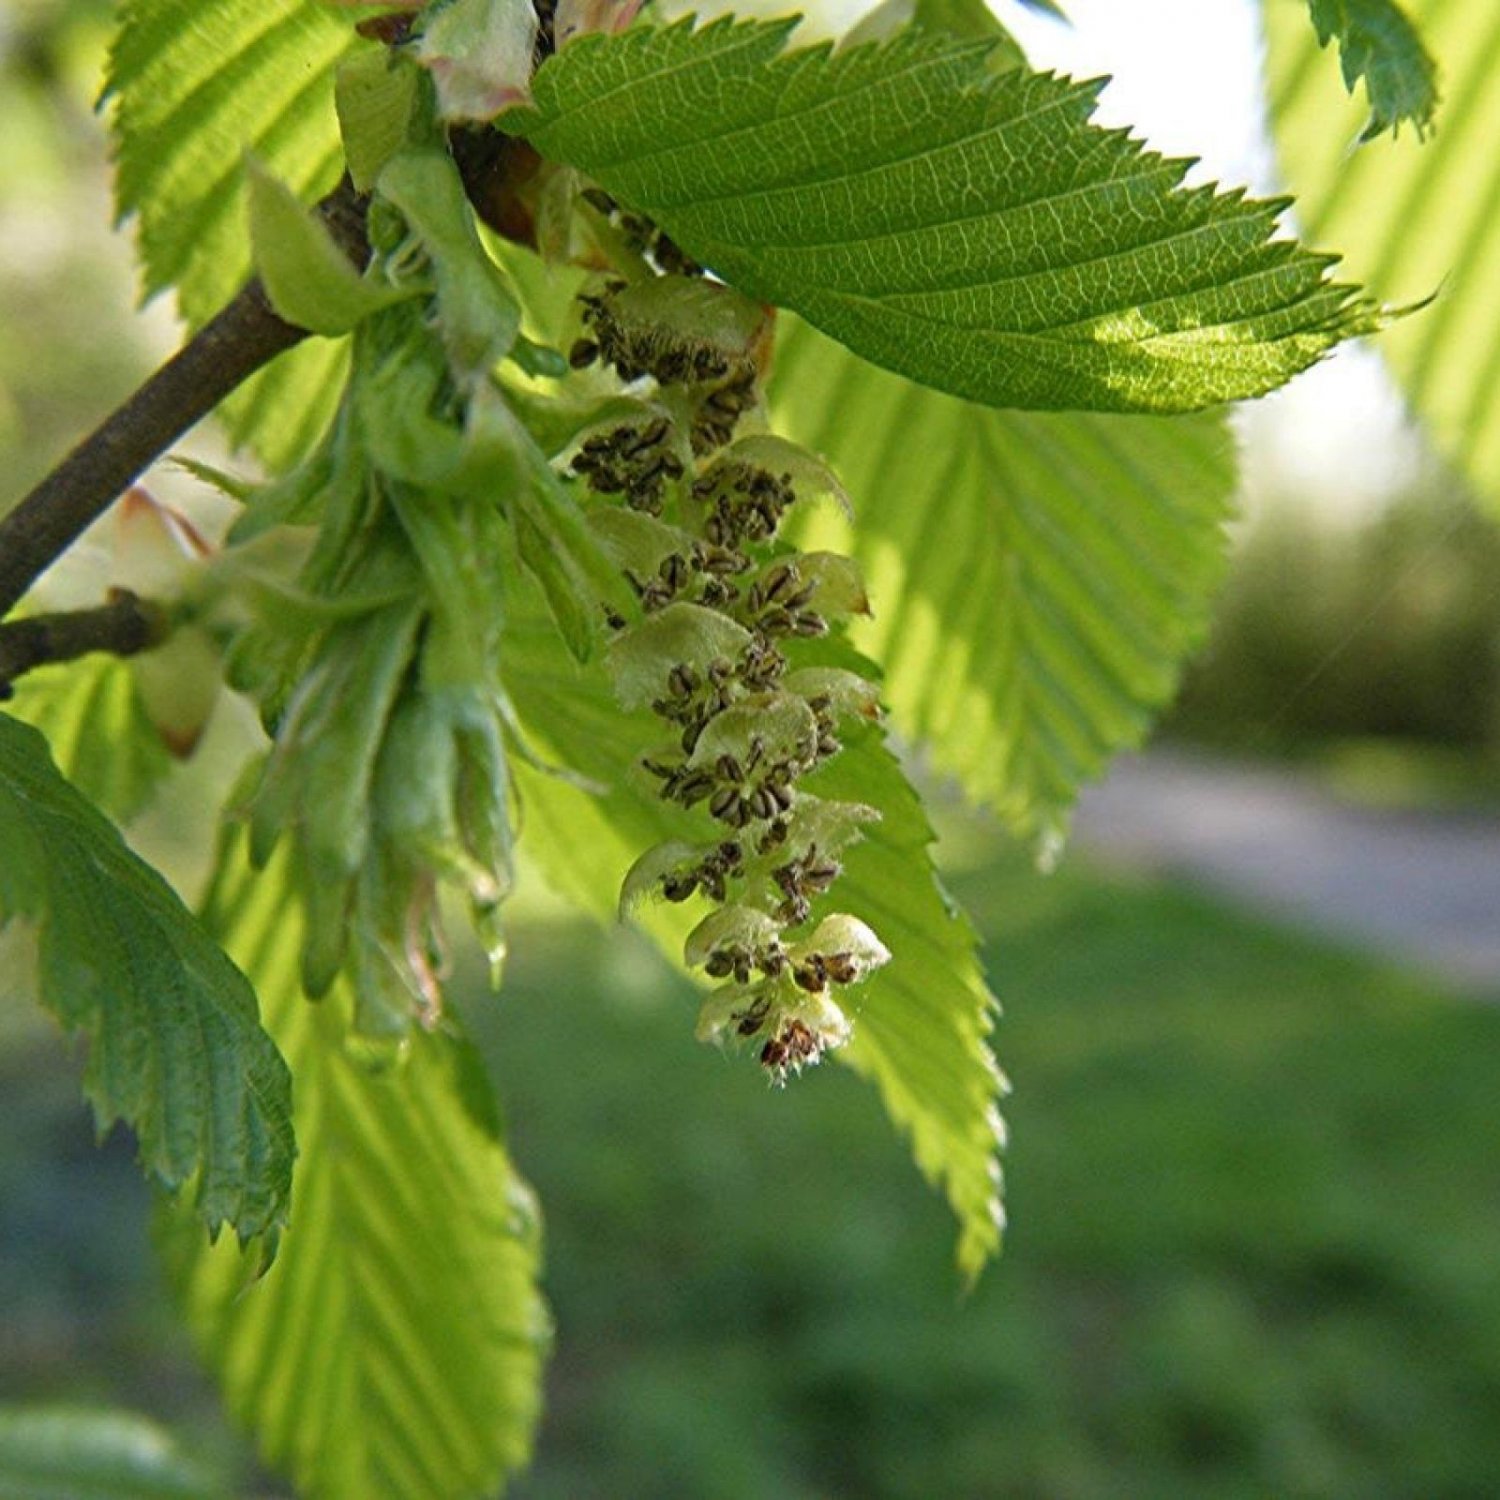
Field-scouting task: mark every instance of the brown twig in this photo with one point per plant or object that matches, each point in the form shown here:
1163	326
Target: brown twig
224	353
124	625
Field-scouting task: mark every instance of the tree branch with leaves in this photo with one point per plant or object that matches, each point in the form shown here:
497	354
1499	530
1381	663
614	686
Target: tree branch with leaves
630	405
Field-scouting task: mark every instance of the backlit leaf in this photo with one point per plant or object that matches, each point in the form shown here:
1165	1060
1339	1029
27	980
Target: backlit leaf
1417	218
195	87
394	1348
97	728
1035	578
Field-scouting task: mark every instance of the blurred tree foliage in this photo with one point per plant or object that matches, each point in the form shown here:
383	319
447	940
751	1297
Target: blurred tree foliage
1388	630
64	358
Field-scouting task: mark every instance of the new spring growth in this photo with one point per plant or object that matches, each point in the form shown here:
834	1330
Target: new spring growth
726	611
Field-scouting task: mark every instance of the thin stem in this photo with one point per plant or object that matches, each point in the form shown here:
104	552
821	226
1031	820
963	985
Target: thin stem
224	353
124	625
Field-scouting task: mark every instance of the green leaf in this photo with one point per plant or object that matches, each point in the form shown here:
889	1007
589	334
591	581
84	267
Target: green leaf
964	227
72	1453
377	94
98	731
195	87
395	1347
1379	44
1036	579
920	1023
283	410
1415	218
177	1051
308	279
480	314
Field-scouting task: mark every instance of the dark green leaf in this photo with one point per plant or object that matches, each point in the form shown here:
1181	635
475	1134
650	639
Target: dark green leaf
961	225
176	1048
1379	44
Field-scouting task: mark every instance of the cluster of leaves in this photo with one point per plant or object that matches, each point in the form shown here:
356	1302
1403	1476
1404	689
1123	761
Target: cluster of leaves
485	573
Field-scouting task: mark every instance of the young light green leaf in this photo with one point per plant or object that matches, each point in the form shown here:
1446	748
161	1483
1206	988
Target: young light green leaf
176	1049
920	1023
308	279
480	314
194	88
1035	579
77	1453
282	411
1378	43
98	730
376	94
1416	217
963	226
395	1347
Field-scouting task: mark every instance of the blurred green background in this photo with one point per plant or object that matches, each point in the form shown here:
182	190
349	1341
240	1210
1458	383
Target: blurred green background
1254	1183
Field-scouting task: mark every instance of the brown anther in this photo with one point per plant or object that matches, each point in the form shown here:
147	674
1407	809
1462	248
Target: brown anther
779	581
774	836
771	960
810	974
794	911
841	968
695	788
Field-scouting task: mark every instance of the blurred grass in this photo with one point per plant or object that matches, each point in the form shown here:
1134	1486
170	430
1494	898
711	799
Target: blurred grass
1255	1197
1254	1204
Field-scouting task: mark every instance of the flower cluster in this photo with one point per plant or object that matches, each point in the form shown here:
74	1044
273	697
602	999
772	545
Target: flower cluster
716	649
